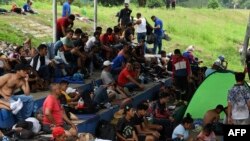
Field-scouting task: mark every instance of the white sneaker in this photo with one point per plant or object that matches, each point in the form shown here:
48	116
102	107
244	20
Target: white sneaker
18	108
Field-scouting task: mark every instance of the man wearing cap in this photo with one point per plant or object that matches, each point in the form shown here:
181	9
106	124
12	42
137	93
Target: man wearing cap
58	134
124	16
125	128
220	63
21	105
109	81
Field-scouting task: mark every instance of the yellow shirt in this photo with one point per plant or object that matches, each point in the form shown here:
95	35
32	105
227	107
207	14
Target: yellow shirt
68	98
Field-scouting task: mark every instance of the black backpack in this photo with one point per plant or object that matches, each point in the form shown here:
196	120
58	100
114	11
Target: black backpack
105	130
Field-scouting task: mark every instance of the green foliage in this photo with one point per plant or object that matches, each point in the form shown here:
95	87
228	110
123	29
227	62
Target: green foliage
155	3
193	3
111	2
246	5
214	4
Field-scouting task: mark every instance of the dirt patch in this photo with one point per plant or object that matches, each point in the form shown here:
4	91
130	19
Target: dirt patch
33	28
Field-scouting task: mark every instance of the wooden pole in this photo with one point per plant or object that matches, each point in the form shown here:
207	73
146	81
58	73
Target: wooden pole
95	14
54	19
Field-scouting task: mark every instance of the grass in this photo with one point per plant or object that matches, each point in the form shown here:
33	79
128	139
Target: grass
213	32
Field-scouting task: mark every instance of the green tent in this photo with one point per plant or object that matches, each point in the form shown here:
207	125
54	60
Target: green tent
211	92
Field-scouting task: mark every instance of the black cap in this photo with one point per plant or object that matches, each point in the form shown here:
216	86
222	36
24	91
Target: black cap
21	66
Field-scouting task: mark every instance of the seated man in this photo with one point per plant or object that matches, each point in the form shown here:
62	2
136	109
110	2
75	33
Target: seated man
41	63
21	105
120	60
27	7
72	95
109	81
213	115
54	115
142	129
162	115
125	128
127	78
220	63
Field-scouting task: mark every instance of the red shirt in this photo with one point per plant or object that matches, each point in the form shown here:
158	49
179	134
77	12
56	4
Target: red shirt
62	22
53	104
105	39
123	76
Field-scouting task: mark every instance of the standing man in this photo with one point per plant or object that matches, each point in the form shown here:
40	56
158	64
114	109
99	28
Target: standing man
66	11
239	102
22	105
181	72
158	34
62	25
141	29
124	16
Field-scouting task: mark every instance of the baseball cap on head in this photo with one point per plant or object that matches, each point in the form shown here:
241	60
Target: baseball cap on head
107	63
57	131
222	57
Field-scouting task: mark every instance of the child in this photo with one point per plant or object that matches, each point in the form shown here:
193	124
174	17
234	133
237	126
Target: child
207	134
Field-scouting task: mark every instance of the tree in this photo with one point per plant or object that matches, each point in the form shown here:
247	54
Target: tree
142	3
213	4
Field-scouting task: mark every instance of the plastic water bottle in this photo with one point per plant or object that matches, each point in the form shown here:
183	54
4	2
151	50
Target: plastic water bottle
80	104
141	77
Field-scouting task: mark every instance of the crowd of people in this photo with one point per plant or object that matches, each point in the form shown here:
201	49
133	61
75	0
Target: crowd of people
126	66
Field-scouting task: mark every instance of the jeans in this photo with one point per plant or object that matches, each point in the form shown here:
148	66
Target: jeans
28	104
157	43
131	86
142	36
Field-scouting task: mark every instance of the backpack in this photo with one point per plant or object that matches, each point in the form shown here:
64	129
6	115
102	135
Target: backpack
105	130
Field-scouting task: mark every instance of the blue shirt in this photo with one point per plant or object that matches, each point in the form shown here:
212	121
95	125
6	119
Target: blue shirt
26	7
117	62
159	31
66	9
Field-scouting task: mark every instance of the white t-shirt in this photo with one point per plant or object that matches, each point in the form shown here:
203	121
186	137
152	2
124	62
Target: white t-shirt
36	125
90	43
180	130
141	28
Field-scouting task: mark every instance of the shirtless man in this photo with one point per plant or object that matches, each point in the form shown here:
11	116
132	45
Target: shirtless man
22	105
212	116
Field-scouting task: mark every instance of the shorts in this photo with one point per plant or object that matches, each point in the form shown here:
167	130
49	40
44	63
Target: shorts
46	128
